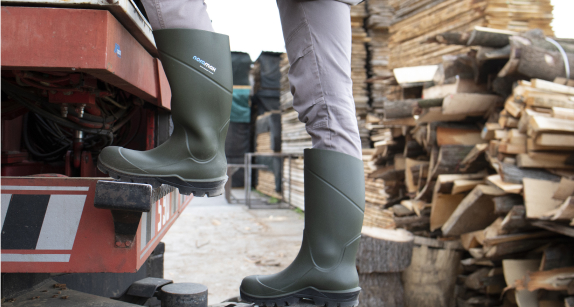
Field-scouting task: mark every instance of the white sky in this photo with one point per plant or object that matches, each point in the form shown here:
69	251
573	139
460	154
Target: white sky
253	25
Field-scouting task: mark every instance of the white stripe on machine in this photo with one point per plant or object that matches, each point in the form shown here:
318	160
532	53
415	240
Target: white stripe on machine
35	257
5	204
61	222
43	188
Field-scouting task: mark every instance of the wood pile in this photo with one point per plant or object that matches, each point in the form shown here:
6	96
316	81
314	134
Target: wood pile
480	168
417	21
293	182
359	58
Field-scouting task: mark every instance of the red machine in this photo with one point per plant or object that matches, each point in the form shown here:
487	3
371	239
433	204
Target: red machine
74	81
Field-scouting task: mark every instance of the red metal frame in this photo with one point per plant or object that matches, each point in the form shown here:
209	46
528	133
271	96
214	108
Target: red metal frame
91	41
94	246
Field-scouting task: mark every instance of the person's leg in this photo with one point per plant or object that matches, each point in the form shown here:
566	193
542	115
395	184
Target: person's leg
197	63
318	42
177	14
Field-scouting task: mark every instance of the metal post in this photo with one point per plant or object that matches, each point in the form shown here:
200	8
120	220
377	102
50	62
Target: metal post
290	167
248	180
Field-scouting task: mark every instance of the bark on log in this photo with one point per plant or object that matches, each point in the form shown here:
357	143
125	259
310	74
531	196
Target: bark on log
406	108
381	290
489	37
384	250
430	279
513	174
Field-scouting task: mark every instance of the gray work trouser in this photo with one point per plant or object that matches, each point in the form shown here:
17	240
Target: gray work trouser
318	41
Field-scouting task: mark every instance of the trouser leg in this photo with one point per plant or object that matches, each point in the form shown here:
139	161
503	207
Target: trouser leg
318	42
174	14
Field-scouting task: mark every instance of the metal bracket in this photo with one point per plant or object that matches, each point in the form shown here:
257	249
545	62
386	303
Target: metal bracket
127	201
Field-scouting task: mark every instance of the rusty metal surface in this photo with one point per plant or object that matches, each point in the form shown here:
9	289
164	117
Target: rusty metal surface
91	41
125	11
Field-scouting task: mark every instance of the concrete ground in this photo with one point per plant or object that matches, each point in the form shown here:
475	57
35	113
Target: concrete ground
217	244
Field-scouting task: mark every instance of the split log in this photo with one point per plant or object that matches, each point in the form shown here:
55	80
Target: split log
513	174
555	227
487	37
538	197
516	270
566	211
557	256
503	204
406	108
488	280
469	104
476	211
381	290
515	219
431	277
384	250
450	158
412	222
553	280
496	180
565	189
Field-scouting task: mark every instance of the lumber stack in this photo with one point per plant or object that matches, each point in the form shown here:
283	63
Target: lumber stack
266	183
382	84
293	182
294	136
286	98
415	22
359	58
383	254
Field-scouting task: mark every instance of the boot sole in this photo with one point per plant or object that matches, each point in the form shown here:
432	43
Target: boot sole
319	298
199	189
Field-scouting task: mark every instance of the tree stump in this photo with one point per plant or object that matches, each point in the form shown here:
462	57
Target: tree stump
384	250
381	290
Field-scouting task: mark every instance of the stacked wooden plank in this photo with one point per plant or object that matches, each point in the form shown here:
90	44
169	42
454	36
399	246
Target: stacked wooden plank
286	99
293	182
266	183
359	58
294	136
375	197
417	21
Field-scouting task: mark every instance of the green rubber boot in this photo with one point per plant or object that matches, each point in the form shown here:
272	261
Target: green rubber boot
198	67
324	270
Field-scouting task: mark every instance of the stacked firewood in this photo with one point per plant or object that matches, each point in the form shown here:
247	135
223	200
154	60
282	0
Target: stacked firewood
484	155
416	21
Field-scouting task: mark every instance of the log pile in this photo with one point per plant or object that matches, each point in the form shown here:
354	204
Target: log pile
418	20
481	166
